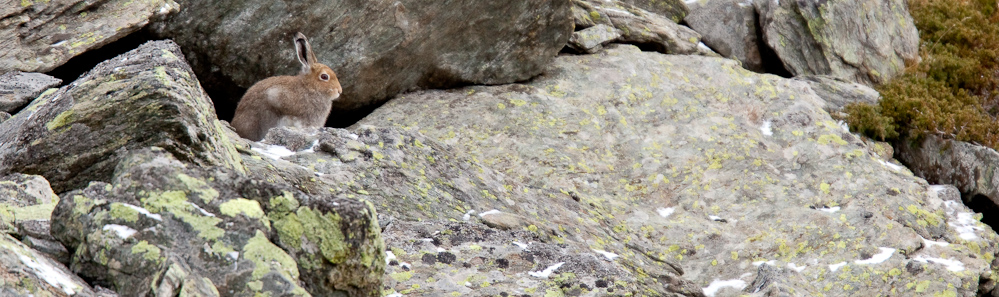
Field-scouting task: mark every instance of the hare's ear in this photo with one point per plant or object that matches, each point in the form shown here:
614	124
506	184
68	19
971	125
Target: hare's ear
304	51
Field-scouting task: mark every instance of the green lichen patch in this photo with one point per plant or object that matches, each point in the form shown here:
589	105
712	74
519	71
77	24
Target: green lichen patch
246	207
268	257
60	120
149	252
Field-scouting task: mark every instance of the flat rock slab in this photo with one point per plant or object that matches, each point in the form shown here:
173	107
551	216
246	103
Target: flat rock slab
698	161
377	48
38	36
867	41
17	88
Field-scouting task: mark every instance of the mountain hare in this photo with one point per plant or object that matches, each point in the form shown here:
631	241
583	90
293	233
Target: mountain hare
288	101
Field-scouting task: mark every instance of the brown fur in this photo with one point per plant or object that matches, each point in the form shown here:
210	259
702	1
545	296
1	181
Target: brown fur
303	100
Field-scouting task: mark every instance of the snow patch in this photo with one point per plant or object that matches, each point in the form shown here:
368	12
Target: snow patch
610	256
665	211
796	267
545	273
491	212
758	263
837	266
930	243
884	255
55	277
145	212
312	149
521	245
703	46
890	165
766	128
962	221
843	125
714	218
717	285
394	295
122	231
201	210
275	152
830	209
952	265
468	215
389	256
233	255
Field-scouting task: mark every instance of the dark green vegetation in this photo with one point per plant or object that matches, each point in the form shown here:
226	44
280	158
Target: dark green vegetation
953	91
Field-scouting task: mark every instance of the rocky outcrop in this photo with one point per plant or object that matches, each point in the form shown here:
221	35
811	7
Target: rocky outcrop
377	48
167	227
698	163
729	28
422	188
147	97
637	26
18	88
38	36
867	41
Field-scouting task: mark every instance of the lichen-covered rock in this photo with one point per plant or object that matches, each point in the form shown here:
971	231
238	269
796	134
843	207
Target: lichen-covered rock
378	48
412	179
638	26
18	88
162	227
146	97
29	273
674	10
969	167
592	39
729	28
38	36
24	198
839	93
699	163
866	41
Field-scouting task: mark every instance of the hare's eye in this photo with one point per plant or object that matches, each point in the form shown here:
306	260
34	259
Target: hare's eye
324	76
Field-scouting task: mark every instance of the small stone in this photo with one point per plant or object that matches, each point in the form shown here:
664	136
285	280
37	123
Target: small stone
591	40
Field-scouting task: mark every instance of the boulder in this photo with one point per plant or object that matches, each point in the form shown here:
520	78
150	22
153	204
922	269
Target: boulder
25	200
377	48
171	228
29	273
729	28
638	26
17	88
146	97
867	41
697	168
38	36
969	167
